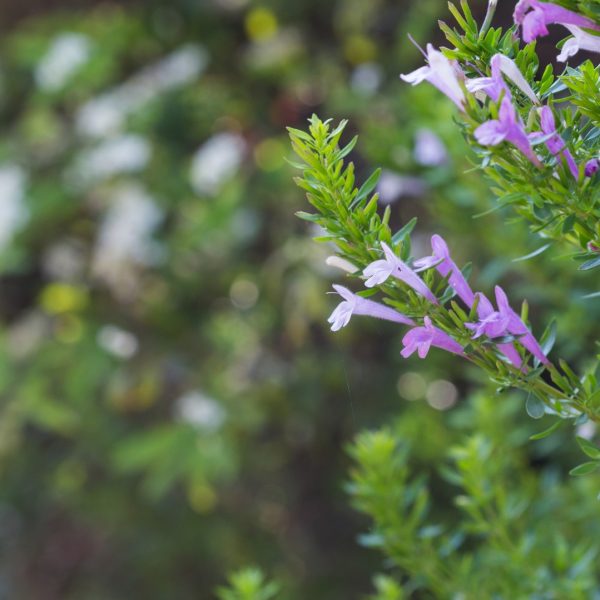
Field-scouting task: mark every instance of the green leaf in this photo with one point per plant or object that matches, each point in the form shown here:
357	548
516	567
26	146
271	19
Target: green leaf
548	337
346	150
308	216
585	468
535	407
590	264
588	448
366	188
546	432
592	295
406	230
532	254
568	224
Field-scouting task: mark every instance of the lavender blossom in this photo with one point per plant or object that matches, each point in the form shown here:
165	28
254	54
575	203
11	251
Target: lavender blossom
429	150
581	41
356	305
494	86
554	143
442	73
380	270
534	22
422	338
517	327
444	264
508	127
591	167
494	324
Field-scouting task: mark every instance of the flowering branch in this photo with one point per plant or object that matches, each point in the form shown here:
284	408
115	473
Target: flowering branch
514	120
496	340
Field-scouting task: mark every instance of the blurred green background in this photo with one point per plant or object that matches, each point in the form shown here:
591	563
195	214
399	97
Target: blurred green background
172	404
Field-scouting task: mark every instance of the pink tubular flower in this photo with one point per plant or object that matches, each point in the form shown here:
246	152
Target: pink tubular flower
494	324
356	305
380	270
517	327
422	338
444	264
442	73
508	127
493	86
534	22
581	41
554	143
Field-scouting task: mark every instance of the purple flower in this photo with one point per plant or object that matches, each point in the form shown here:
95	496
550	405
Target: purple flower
534	22
554	143
429	149
356	305
493	86
444	264
379	271
508	127
494	324
591	167
517	327
442	73
581	41
422	338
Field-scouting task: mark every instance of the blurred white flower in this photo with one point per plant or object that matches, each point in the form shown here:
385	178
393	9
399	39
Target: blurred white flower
13	212
27	334
200	410
64	260
216	161
392	186
429	149
123	154
106	114
68	52
125	238
366	78
117	341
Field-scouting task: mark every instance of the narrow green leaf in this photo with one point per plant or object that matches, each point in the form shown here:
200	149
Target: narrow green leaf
590	264
585	468
547	432
548	337
366	188
406	230
346	150
588	448
532	254
308	216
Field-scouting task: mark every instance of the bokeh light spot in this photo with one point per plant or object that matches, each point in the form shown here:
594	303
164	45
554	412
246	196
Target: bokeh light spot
269	154
442	394
359	49
243	293
202	497
412	386
261	24
58	298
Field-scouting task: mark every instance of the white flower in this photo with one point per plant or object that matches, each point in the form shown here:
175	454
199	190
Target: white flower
66	55
125	238
124	154
117	341
106	114
216	161
200	410
13	212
